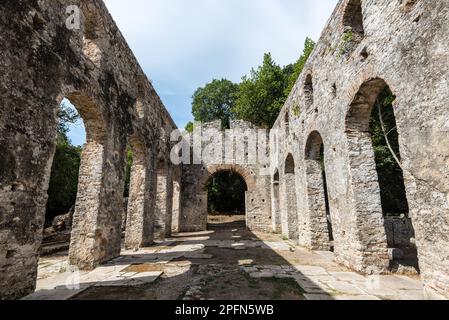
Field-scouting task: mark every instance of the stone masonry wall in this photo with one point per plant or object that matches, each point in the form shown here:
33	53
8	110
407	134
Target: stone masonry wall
41	62
402	44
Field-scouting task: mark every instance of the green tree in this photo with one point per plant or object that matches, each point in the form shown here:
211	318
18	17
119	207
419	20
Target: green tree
262	94
66	116
293	71
65	168
215	101
189	127
64	178
384	136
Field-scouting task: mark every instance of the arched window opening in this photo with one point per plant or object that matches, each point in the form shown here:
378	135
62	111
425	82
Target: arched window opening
372	130
287	123
289	164
353	17
308	91
289	213
354	31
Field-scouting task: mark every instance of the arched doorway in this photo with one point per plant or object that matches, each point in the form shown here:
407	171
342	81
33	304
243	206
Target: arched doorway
317	195
226	199
377	176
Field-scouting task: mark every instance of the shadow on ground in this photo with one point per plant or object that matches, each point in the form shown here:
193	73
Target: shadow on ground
230	263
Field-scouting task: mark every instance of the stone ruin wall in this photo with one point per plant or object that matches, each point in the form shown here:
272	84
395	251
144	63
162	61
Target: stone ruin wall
42	61
196	176
404	45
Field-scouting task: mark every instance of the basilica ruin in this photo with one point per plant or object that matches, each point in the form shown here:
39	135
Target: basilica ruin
366	46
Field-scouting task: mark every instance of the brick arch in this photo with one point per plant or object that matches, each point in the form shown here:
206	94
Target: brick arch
246	173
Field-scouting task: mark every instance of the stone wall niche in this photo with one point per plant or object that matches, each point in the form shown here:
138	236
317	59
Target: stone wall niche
289	213
318	218
275	206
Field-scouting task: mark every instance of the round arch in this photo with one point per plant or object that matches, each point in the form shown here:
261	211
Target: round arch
247	175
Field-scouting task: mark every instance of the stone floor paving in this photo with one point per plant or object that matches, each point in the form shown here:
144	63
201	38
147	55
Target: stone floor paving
221	264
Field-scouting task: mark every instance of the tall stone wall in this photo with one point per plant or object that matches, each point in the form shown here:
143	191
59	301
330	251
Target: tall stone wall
401	44
195	178
42	62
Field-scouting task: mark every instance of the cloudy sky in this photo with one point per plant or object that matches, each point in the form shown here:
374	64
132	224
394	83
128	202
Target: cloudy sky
184	44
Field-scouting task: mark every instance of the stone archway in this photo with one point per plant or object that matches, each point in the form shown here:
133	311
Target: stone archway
194	218
368	183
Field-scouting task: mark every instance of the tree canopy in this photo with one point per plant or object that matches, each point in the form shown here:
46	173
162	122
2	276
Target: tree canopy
214	101
262	94
258	98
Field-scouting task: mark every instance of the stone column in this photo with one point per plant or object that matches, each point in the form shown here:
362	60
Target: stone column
141	204
164	202
317	214
290	206
25	165
275	208
96	232
367	241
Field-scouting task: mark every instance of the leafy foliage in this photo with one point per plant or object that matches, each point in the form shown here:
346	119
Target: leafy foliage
298	67
64	178
226	193
189	127
214	101
65	169
262	94
66	116
391	179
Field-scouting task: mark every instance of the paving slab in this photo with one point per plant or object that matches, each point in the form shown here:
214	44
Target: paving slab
356	297
348	276
311	270
346	288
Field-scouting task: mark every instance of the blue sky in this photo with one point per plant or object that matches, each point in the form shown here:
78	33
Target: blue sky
184	44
